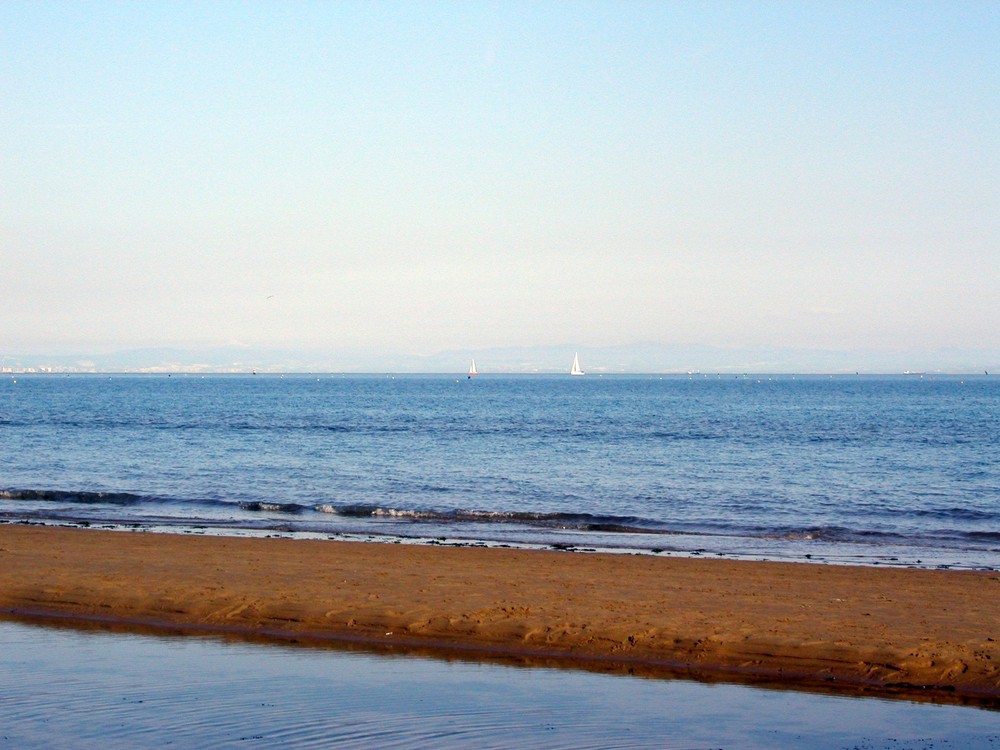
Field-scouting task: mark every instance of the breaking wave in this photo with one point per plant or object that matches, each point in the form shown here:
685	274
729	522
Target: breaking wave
273	507
120	507
83	498
577	521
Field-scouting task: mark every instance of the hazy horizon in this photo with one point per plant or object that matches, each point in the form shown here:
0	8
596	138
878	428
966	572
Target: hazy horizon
634	359
451	177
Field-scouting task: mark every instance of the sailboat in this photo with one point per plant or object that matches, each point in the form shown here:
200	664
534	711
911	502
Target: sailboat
576	366
472	369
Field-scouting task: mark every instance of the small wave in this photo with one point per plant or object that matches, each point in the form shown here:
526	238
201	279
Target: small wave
838	439
985	536
66	496
839	534
274	427
795	534
967	514
121	499
821	533
684	435
272	507
570	521
369	511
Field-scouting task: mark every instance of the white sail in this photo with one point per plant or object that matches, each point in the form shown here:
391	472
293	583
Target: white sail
472	369
576	366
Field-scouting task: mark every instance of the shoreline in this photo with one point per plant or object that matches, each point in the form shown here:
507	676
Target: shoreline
698	546
847	628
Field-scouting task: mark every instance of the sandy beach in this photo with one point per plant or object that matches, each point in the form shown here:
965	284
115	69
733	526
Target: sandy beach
784	622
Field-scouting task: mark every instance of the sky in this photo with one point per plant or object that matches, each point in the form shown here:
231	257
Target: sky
430	176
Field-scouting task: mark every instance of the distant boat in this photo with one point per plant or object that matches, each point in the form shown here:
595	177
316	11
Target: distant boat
472	369
576	366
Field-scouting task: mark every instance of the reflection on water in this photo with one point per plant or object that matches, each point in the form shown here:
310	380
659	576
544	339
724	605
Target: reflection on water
75	689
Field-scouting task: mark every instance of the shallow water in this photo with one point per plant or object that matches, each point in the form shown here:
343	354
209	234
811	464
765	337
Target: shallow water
62	688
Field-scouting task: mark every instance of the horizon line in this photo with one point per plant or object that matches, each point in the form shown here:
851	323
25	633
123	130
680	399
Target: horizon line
521	373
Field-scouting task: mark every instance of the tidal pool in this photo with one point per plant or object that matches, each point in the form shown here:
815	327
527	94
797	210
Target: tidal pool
64	688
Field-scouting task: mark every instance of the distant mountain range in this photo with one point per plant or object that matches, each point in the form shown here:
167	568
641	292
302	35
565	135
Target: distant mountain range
636	358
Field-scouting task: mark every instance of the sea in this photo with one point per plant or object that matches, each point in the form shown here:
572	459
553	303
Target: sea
899	470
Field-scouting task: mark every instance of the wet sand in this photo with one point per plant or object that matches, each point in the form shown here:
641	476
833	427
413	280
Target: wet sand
784	622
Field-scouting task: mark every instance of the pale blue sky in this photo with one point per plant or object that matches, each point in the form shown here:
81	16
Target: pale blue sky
447	175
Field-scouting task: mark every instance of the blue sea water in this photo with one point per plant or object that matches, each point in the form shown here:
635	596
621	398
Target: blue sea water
890	470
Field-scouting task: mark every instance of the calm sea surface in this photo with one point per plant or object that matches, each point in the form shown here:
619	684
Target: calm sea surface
70	689
881	470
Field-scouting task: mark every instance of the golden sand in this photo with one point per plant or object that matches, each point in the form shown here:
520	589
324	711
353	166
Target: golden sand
780	621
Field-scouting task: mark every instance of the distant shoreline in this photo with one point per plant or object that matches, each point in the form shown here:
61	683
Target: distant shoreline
594	374
634	358
841	626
